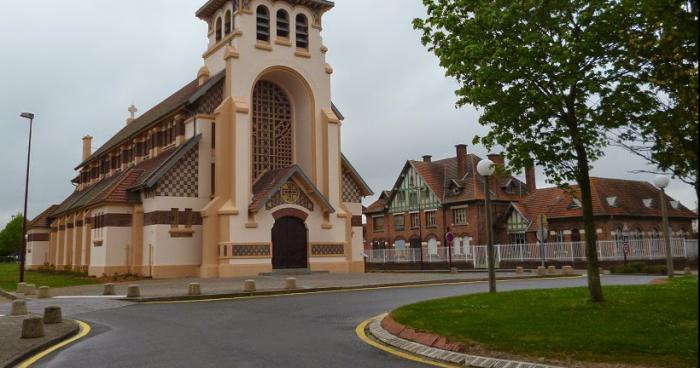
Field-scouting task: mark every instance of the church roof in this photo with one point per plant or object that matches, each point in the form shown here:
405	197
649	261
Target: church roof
42	220
186	95
366	190
271	182
116	188
211	6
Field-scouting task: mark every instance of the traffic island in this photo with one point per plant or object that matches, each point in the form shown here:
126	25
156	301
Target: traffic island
15	349
636	326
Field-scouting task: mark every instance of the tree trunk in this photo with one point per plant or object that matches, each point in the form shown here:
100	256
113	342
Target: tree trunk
584	181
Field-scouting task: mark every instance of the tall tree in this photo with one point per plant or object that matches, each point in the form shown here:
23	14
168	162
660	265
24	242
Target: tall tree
544	73
11	236
665	50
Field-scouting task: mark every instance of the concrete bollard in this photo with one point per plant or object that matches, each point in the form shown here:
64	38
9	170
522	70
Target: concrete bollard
30	289
194	289
519	270
291	283
44	292
21	287
133	291
19	308
249	286
109	289
687	271
52	315
552	270
568	270
454	270
32	328
541	271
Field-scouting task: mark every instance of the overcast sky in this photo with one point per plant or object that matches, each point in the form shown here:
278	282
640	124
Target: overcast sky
78	65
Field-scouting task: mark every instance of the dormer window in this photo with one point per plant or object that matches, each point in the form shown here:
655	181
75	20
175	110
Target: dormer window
302	31
263	23
282	24
575	203
648	202
675	204
228	26
612	201
219	33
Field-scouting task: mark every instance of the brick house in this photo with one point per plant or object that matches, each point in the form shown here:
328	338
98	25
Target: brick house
619	206
431	198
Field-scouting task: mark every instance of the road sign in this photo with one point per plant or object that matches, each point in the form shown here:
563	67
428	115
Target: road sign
450	237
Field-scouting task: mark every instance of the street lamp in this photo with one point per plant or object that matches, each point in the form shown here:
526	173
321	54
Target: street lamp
23	249
662	182
487	168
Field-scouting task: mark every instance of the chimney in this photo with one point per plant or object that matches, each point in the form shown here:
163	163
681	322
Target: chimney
497	159
87	147
132	111
530	180
461	160
427	159
203	75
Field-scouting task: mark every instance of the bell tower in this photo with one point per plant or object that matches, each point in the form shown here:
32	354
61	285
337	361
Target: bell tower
277	111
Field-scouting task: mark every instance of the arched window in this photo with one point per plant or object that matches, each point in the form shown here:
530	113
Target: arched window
302	32
272	129
432	246
228	24
575	235
282	24
219	34
263	23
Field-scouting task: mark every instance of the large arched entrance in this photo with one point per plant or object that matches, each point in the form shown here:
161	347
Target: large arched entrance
289	244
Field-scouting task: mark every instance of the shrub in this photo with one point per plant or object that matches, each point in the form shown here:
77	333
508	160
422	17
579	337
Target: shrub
639	267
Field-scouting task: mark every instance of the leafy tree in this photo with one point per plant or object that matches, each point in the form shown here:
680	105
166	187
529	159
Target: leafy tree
665	49
547	75
11	236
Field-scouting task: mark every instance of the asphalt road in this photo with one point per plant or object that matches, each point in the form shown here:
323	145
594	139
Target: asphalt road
313	330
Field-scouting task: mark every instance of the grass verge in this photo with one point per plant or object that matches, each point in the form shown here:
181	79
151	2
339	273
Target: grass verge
9	276
652	325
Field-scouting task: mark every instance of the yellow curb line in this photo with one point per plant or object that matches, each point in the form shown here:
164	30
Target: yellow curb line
84	330
360	331
354	290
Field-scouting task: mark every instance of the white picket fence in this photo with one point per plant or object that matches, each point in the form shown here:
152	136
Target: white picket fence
644	249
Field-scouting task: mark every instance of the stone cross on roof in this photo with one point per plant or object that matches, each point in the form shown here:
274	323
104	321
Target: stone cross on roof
132	111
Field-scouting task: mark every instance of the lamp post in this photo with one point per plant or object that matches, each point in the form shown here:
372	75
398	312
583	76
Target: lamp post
487	168
662	182
23	249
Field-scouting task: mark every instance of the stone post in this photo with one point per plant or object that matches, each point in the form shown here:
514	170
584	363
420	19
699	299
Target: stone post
541	271
19	308
52	315
687	271
21	287
109	289
44	292
568	270
249	286
552	270
133	291
519	270
195	289
30	289
291	283
32	328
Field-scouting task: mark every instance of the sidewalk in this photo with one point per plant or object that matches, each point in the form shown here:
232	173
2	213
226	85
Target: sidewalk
13	348
178	287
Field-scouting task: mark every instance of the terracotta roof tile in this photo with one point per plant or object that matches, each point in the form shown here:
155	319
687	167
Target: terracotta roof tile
42	220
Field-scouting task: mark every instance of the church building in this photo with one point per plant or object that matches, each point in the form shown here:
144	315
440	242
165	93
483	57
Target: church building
239	172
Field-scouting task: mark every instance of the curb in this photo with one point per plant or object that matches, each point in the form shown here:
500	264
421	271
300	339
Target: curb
30	353
8	295
224	296
375	330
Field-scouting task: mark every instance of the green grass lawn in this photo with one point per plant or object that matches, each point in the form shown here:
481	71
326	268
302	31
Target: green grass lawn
9	274
654	325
